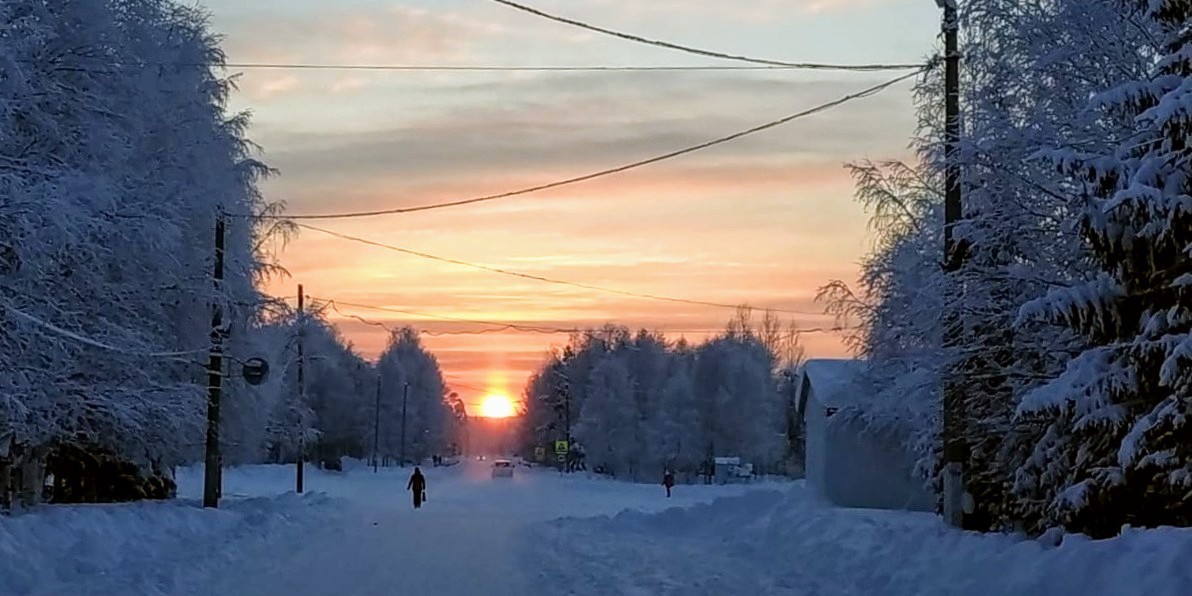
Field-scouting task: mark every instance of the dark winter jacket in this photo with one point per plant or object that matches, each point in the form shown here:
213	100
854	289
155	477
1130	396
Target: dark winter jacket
417	482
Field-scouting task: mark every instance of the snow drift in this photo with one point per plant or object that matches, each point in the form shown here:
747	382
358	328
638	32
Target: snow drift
790	543
143	548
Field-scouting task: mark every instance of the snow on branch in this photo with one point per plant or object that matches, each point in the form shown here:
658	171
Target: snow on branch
81	339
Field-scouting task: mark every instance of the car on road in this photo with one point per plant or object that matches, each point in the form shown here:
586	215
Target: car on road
502	468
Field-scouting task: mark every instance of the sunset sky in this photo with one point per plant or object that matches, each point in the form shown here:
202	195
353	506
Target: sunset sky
763	221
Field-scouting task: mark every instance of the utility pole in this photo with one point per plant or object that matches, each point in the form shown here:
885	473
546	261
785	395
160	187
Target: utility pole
563	389
567	424
405	392
213	460
377	425
955	447
301	388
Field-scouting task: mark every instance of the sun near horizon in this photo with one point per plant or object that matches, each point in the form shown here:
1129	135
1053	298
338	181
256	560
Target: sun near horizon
498	405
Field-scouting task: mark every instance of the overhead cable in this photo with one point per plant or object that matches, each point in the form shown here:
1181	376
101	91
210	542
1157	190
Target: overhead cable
499	327
508	326
602	173
702	52
542	279
580	68
84	340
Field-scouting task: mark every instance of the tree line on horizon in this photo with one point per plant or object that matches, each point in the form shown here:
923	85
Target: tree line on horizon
640	402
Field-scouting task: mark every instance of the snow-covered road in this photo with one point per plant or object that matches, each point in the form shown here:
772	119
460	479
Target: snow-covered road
463	541
469	538
540	533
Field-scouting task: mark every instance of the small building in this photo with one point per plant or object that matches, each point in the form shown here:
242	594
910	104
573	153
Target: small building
730	470
849	461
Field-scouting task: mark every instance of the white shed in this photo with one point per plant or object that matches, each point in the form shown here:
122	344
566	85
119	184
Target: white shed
849	462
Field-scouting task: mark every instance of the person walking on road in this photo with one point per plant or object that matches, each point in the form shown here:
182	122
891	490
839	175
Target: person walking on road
417	485
668	480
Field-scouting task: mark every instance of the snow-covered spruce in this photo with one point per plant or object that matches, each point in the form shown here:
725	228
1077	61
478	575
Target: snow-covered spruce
1118	449
1028	74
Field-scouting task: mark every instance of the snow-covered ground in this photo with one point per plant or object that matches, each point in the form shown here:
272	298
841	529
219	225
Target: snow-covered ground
772	542
469	538
145	548
355	533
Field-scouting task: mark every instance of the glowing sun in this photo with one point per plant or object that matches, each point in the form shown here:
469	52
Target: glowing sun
497	406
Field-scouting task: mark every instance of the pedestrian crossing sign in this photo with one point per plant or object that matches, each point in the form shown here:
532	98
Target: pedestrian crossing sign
560	447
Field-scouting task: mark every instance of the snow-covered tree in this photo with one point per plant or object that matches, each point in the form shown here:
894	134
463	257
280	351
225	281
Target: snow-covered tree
407	369
737	394
609	426
1116	448
545	403
680	444
1021	234
1018	233
116	157
640	403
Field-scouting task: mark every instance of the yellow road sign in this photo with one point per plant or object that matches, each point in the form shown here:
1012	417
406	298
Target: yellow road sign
560	447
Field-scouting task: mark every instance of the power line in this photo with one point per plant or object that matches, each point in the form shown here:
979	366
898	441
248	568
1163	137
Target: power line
617	170
505	327
454	384
500	326
82	339
451	68
539	278
488	68
497	327
701	52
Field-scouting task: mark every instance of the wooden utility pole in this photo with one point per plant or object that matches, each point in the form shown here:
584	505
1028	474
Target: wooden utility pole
301	388
377	425
955	445
405	392
213	460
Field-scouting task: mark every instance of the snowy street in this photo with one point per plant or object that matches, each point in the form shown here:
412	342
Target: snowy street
461	542
471	536
356	533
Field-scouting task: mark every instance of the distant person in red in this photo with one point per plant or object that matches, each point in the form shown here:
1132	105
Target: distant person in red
417	484
668	480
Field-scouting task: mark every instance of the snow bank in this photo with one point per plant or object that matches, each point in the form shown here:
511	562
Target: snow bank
789	543
144	548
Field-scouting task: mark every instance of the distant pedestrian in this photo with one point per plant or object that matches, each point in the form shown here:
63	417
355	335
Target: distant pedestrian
417	485
668	480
